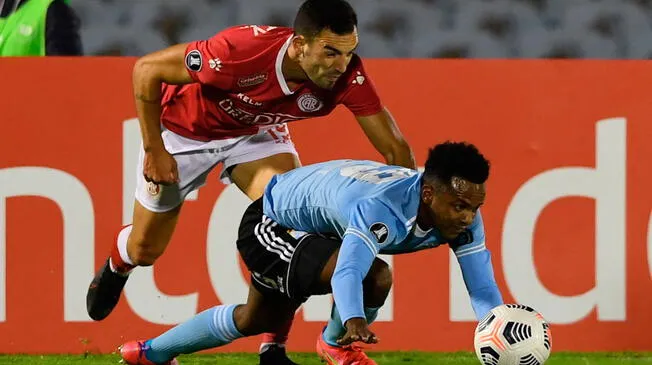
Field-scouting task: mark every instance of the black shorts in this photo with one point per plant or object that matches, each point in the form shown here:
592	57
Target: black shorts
279	263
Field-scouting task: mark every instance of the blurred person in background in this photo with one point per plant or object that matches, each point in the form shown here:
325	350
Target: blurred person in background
227	100
39	28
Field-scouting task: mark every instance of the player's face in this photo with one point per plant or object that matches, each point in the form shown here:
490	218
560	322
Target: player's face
452	208
326	57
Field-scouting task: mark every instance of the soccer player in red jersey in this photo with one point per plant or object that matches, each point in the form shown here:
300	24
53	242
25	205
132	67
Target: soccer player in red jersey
228	100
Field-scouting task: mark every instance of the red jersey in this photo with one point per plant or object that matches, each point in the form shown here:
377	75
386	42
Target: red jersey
239	86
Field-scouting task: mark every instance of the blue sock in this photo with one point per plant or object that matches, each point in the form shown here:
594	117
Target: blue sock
334	329
211	328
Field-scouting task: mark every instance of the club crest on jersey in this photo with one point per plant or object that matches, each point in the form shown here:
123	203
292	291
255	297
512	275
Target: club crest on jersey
309	103
194	60
153	188
252	80
380	231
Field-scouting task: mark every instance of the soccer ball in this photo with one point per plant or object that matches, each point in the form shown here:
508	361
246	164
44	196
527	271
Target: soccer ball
512	334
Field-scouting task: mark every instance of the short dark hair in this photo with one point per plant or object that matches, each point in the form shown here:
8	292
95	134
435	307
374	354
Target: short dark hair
460	159
316	15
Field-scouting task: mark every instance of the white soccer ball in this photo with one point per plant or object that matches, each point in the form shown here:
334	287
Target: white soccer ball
512	334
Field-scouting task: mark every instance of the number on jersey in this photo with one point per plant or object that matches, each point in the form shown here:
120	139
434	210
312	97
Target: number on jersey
376	174
258	30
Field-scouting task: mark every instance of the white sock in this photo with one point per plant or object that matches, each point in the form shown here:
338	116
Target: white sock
123	236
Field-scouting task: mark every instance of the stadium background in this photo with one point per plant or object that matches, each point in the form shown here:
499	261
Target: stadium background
392	28
568	211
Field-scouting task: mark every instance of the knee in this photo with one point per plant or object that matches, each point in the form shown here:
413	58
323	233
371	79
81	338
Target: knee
250	324
246	325
377	284
144	251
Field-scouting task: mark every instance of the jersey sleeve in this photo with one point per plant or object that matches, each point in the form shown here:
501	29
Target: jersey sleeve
371	226
353	263
209	61
360	96
477	270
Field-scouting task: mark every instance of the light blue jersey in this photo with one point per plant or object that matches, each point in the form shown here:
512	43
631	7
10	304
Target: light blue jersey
372	207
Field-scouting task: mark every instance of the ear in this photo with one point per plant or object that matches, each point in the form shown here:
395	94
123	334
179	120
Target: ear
298	42
427	194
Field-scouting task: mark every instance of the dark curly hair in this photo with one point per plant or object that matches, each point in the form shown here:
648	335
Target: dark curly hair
459	159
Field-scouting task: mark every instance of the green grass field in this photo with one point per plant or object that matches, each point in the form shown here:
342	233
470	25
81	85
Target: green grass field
387	358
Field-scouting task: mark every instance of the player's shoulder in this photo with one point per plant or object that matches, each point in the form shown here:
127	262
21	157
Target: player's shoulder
246	48
255	47
354	76
256	31
383	218
254	37
382	205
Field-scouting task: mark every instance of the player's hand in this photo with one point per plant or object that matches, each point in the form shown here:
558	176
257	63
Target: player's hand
160	167
357	330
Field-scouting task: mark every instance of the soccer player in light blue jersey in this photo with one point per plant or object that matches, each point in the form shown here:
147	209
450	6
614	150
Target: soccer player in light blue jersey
318	229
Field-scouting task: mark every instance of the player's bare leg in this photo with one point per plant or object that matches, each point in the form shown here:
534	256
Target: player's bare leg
263	313
214	327
150	234
251	178
139	244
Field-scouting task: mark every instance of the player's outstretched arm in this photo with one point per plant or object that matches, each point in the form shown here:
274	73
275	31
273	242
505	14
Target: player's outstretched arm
371	224
149	74
478	276
382	131
353	263
477	270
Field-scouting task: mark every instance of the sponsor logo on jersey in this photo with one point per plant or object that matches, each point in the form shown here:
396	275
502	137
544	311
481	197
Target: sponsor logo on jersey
252	80
246	117
380	231
194	60
248	100
309	103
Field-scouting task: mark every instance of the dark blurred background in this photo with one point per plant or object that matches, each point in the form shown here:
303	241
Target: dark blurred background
606	29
